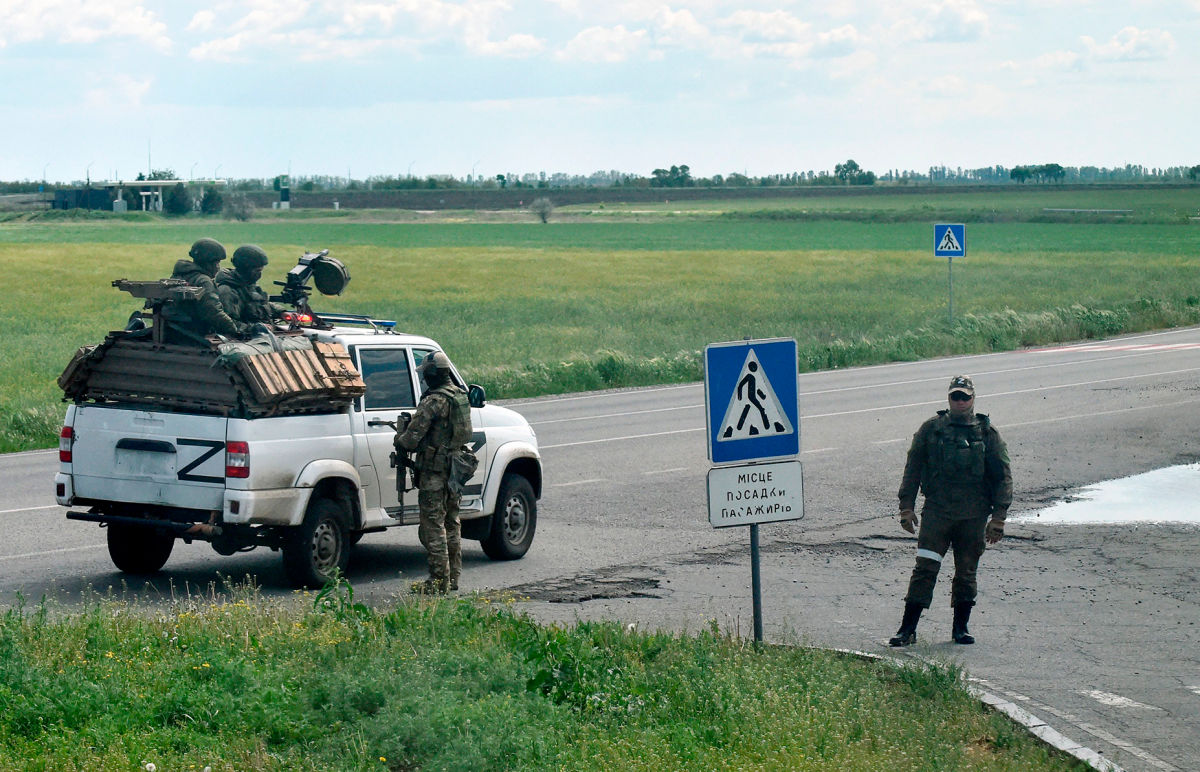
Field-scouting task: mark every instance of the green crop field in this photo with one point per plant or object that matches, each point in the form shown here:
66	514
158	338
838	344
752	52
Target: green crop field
529	309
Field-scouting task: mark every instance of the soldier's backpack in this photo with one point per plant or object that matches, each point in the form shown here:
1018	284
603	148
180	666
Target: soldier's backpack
462	461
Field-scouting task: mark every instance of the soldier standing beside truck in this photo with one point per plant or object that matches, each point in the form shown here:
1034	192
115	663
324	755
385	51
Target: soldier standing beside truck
191	320
441	423
238	288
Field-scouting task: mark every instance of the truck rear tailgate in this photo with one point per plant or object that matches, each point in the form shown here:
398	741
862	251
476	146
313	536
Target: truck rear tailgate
127	454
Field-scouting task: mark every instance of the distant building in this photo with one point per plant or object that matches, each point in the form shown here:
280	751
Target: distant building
83	198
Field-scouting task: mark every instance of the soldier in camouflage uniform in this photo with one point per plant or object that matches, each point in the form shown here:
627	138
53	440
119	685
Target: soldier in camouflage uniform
204	315
241	296
959	462
442	422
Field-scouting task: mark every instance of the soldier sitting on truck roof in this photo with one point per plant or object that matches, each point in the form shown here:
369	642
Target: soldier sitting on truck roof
191	320
241	296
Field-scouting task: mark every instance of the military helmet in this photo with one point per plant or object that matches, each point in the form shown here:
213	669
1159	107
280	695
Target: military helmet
207	251
249	256
435	361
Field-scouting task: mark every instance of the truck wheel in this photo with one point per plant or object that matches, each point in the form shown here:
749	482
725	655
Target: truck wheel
514	521
319	546
137	550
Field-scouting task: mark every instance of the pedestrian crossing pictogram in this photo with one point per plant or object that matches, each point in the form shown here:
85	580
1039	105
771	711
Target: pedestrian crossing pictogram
950	240
751	400
754	409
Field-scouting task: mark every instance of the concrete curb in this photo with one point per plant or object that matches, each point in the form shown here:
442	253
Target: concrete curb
1034	725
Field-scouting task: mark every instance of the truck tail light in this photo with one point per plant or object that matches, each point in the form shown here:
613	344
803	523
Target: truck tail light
237	459
66	438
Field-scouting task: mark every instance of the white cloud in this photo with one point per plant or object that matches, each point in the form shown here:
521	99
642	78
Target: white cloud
515	46
80	21
772	25
841	41
1059	60
605	44
1132	45
679	28
271	15
329	29
202	21
946	21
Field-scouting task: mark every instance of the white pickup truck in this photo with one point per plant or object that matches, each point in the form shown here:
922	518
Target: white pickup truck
308	484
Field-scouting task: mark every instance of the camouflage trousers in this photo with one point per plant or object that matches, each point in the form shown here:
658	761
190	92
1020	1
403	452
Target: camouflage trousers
936	537
440	534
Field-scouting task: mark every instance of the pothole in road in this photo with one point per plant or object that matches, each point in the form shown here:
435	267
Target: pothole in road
579	589
1170	495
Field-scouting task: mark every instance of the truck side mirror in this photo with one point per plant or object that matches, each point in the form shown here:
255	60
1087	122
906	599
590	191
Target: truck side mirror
476	395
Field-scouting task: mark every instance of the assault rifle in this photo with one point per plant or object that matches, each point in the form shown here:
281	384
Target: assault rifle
401	461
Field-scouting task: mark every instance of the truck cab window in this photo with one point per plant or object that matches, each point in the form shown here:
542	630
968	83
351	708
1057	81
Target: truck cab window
387	377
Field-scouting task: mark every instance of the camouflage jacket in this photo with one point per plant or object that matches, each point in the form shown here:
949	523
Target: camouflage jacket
243	300
962	467
205	315
430	433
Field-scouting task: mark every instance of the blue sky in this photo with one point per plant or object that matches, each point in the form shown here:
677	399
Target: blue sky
461	87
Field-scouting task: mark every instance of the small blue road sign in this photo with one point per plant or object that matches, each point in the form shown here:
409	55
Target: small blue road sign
752	400
949	240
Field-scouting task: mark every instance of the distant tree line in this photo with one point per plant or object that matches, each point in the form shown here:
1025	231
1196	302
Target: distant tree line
680	176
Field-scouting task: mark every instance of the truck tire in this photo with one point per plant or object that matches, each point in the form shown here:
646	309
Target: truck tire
137	550
319	547
514	521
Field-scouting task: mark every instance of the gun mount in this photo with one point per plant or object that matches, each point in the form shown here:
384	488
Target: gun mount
328	274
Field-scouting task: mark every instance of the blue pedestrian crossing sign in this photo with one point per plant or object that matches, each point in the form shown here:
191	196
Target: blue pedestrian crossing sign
949	240
752	400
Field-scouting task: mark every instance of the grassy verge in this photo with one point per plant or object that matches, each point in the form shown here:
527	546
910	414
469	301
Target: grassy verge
237	682
531	309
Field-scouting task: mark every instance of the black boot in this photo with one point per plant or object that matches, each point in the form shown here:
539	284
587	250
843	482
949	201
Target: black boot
962	615
907	634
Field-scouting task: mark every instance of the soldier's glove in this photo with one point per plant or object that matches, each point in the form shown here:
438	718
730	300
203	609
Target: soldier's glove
994	531
909	520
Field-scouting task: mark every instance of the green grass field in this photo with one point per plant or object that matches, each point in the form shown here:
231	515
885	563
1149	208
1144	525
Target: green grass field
1011	204
237	682
528	309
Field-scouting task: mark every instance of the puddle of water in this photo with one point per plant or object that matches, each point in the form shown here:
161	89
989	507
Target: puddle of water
1170	495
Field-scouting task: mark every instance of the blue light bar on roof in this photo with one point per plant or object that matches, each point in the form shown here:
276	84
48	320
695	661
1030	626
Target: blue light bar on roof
357	319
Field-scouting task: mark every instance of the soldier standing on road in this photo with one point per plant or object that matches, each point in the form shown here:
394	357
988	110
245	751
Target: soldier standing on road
240	294
959	462
441	423
204	315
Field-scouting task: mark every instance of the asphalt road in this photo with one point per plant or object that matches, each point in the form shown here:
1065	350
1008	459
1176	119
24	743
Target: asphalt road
1094	629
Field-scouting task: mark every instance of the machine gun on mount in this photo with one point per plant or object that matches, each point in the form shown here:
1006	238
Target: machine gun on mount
328	274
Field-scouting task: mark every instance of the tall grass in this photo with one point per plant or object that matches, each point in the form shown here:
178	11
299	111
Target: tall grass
528	310
237	682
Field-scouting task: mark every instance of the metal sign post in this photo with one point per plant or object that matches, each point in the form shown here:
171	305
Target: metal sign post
950	241
751	395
